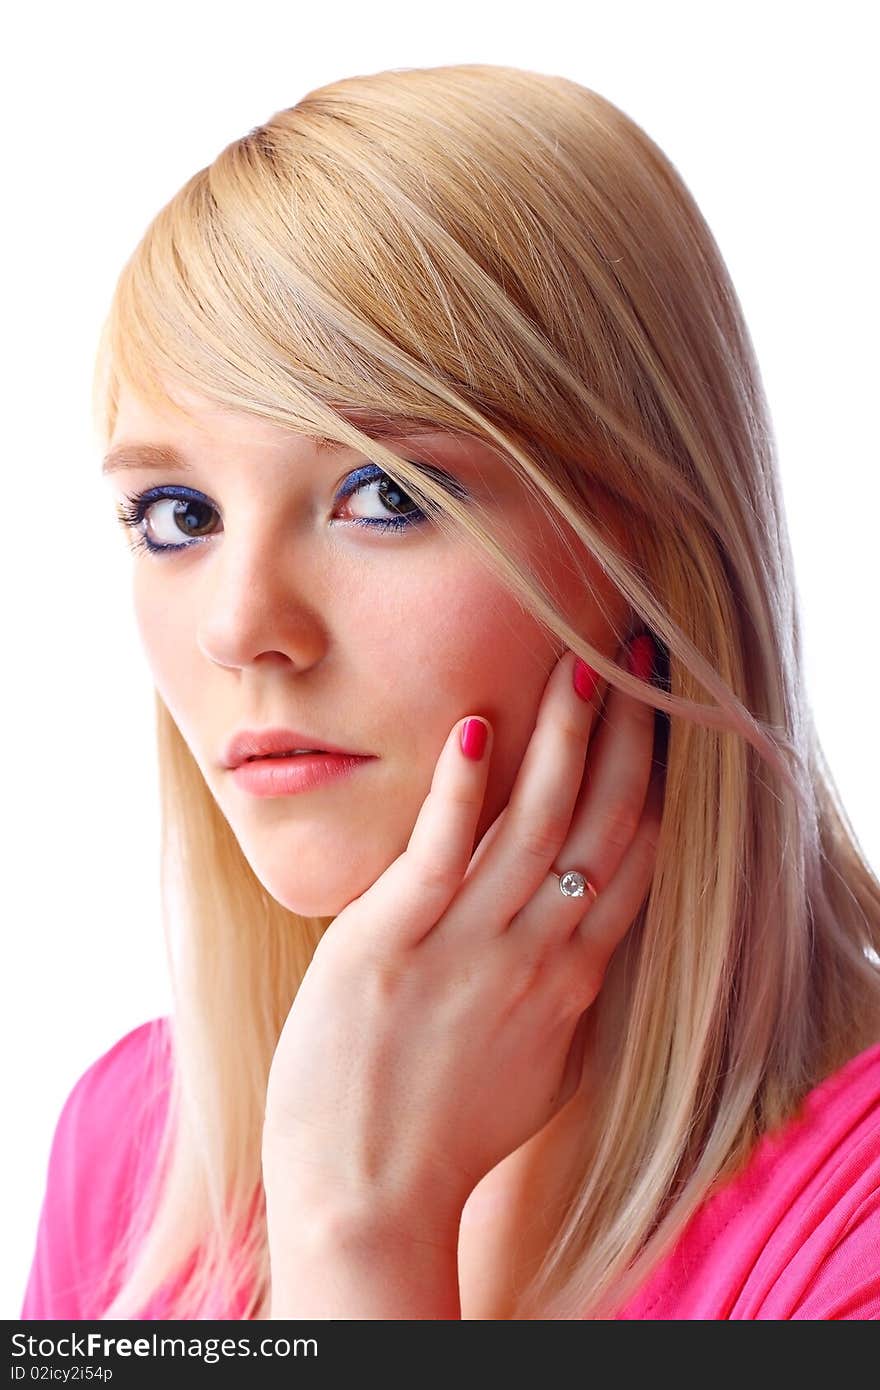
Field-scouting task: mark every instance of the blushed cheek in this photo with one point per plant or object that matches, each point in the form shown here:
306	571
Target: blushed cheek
429	650
483	653
480	654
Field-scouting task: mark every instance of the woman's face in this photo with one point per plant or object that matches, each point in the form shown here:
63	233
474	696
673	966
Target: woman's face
278	610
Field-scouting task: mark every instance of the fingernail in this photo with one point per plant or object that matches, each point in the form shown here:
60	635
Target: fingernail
640	661
585	679
473	738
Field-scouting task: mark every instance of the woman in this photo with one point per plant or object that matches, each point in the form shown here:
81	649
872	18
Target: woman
438	434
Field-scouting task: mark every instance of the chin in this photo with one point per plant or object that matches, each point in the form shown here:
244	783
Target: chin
304	904
309	900
323	885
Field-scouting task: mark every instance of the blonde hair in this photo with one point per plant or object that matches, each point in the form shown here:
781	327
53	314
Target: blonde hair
507	254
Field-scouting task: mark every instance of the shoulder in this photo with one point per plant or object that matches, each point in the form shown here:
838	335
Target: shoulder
116	1099
129	1076
111	1118
104	1144
836	1272
796	1234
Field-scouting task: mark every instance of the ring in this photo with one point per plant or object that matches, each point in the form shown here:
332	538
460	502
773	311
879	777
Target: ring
574	884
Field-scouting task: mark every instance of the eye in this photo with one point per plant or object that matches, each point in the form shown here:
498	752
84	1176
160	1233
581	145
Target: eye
170	511
174	509
389	507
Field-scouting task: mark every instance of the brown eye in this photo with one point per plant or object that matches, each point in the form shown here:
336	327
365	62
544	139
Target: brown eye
163	522
391	508
385	502
190	518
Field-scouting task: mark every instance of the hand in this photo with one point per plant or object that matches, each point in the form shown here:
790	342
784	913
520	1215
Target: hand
436	1028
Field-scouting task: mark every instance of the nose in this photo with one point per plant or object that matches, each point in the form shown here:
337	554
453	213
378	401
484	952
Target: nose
261	602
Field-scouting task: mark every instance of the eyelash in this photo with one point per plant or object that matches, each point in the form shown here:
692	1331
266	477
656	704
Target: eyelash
133	511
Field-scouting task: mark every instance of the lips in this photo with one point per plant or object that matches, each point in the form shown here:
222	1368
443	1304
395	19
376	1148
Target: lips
251	744
259	757
292	776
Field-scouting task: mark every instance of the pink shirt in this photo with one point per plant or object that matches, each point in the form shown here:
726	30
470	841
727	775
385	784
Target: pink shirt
795	1235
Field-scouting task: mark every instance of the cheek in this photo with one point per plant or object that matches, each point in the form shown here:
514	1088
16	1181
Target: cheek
473	650
457	645
166	633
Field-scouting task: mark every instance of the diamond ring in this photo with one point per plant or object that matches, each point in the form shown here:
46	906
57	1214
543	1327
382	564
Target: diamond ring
574	885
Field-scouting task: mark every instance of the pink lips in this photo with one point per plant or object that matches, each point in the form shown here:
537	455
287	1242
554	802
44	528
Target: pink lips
255	743
286	776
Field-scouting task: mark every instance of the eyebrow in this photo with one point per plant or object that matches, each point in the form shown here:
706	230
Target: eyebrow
162	457
150	456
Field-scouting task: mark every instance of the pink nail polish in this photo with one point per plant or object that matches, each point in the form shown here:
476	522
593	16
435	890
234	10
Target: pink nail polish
585	679
473	738
641	657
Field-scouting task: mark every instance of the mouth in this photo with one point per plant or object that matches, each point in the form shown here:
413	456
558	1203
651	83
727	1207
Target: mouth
276	744
297	753
283	774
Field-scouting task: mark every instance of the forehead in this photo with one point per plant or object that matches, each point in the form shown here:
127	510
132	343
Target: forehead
137	418
209	422
216	433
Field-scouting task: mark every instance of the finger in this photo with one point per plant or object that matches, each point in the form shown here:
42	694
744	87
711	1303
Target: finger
488	839
604	926
572	1072
605	818
610	807
416	889
537	817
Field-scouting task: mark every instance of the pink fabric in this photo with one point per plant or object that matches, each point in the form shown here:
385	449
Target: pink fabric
105	1144
795	1235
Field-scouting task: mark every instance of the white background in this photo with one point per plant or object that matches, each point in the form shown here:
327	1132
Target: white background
768	110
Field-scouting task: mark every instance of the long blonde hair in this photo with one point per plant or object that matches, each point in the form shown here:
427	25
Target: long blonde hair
506	253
